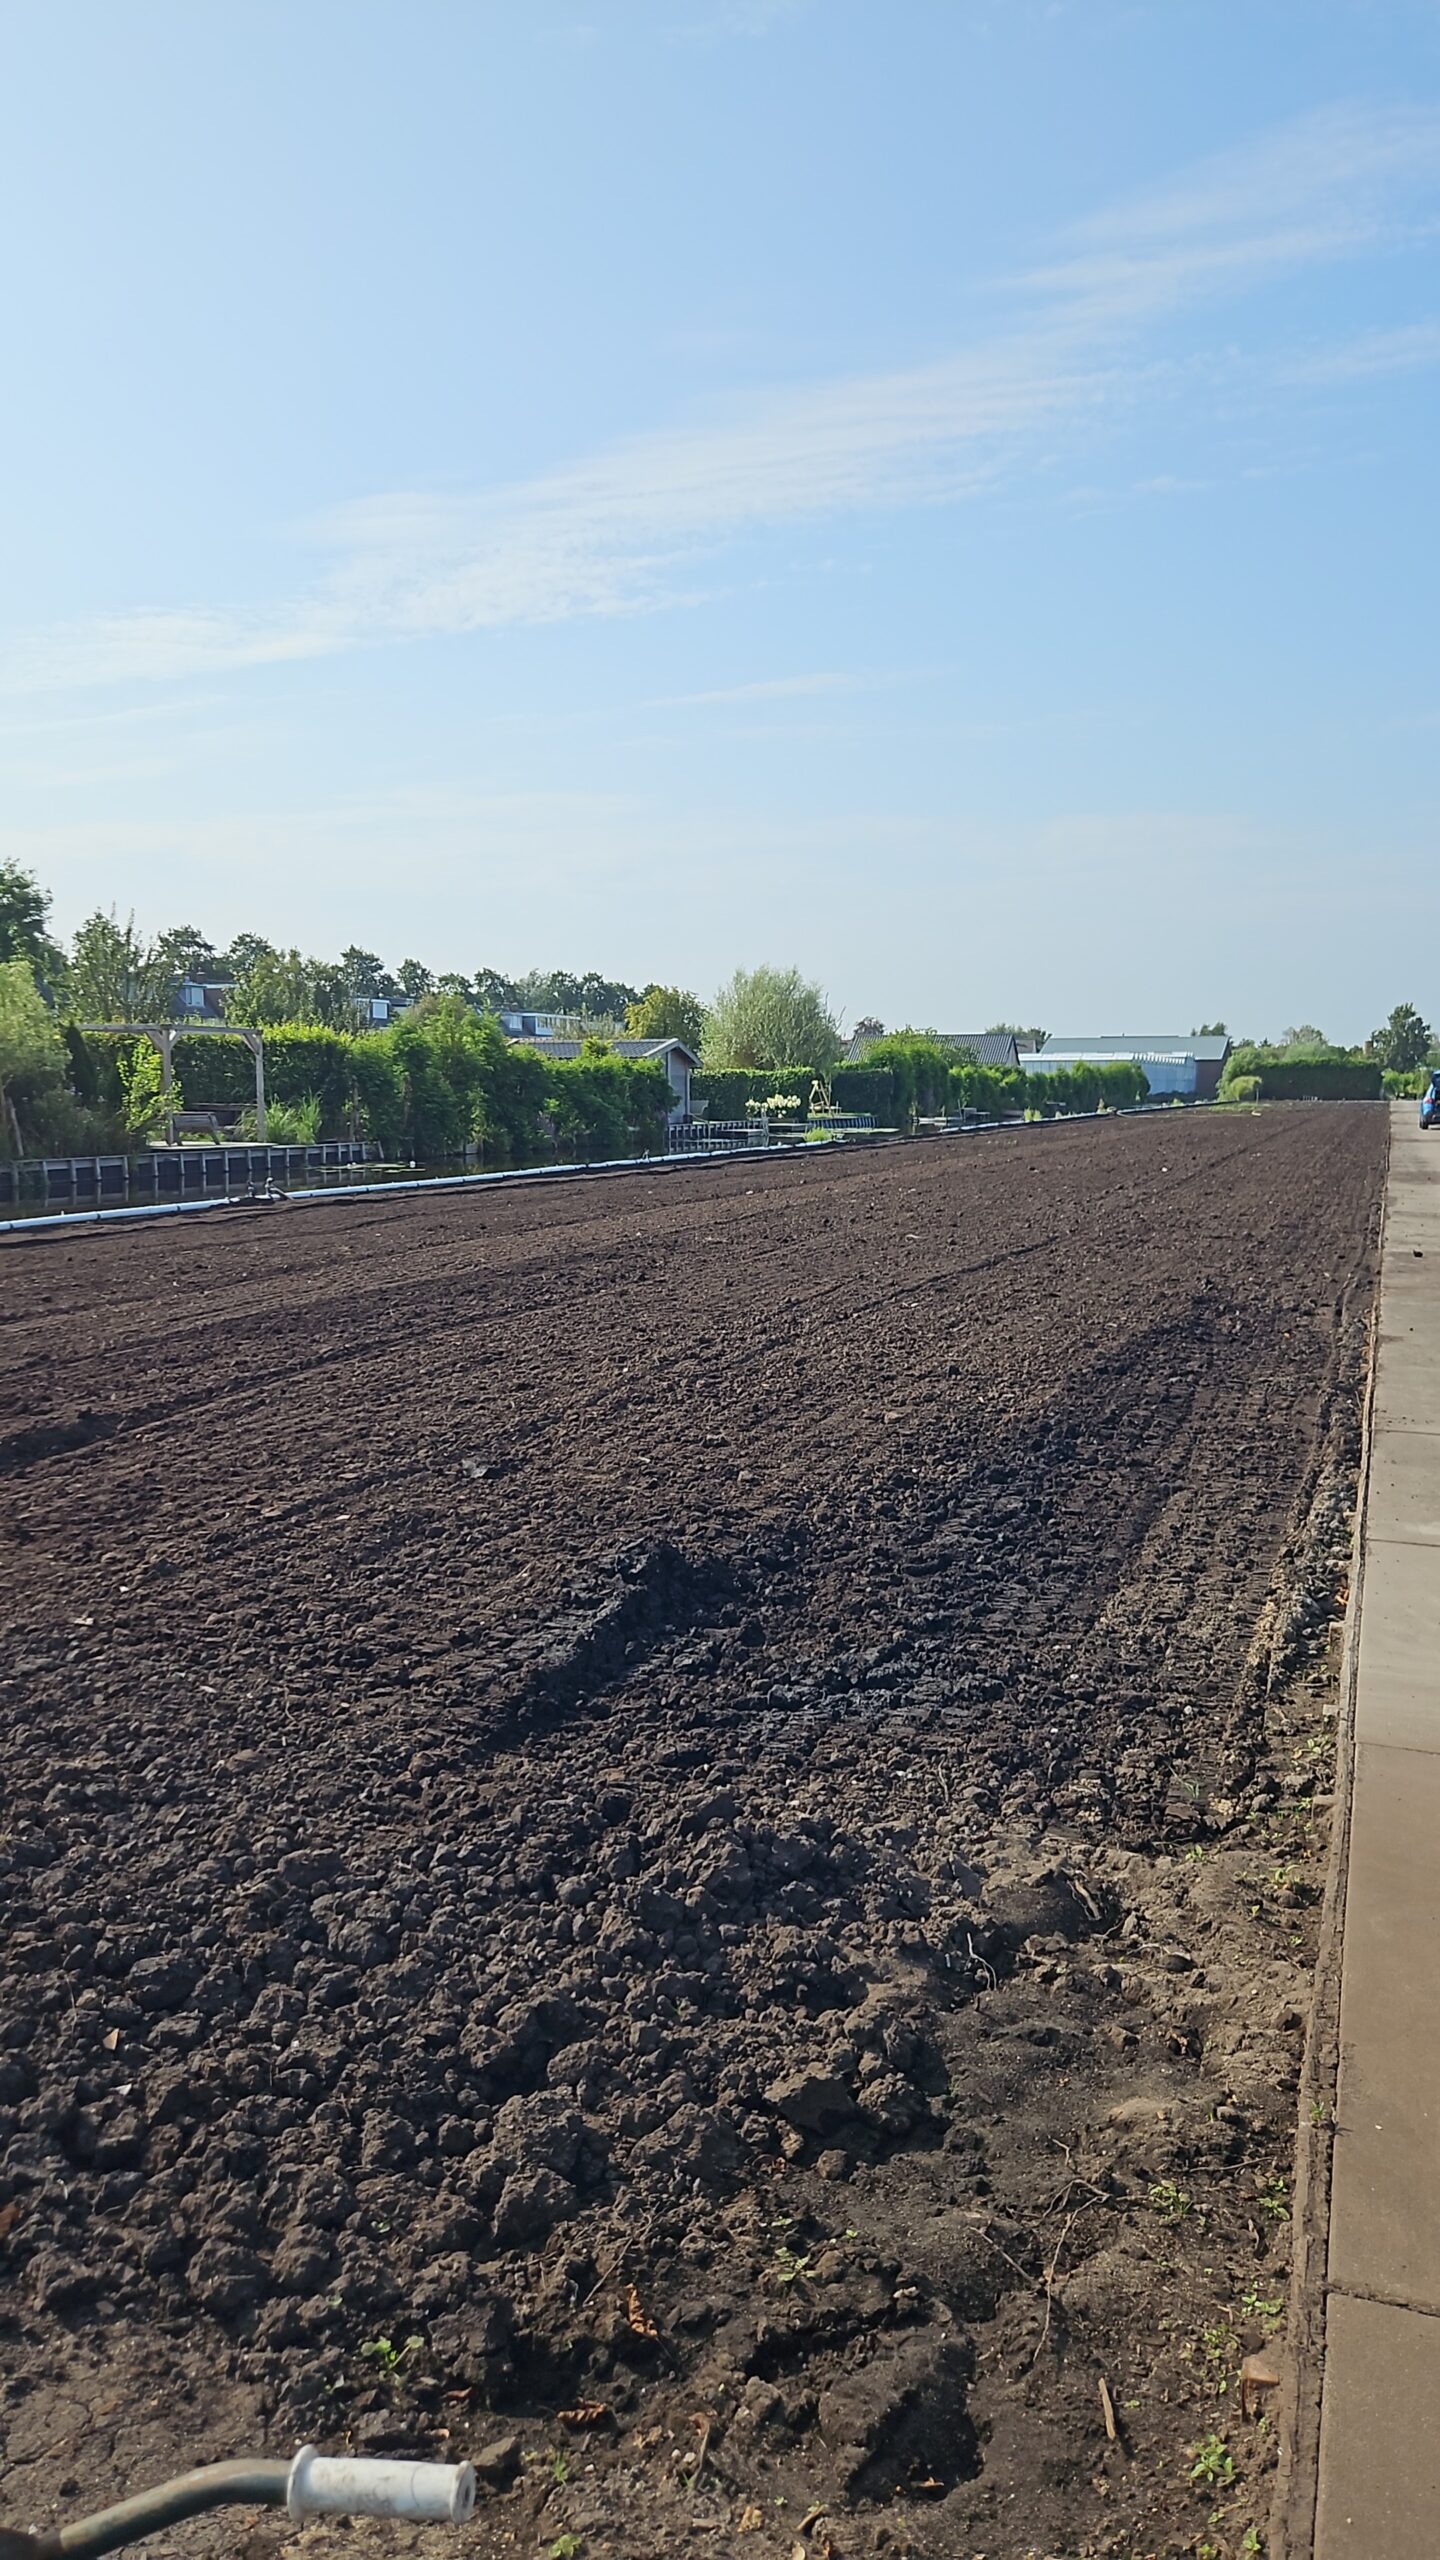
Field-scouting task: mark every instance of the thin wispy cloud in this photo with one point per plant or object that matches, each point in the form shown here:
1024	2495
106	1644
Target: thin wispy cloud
1375	352
764	689
1326	186
632	529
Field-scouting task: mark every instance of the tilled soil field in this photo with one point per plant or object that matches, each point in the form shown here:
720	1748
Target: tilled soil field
666	1832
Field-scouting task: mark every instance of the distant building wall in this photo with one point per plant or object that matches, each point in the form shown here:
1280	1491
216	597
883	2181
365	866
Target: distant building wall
1166	1075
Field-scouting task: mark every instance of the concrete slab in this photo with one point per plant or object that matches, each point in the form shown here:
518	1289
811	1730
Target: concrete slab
1404	1500
1407	1380
1409	1305
1397	1690
1413	1234
1380	2435
1384	2229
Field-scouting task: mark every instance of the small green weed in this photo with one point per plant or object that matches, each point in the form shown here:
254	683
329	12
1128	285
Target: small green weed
1267	2307
1273	2197
1252	2548
1213	2465
565	2546
789	2266
388	2359
559	2469
1169	2201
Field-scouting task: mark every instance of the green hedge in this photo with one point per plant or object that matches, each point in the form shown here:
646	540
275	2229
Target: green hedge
603	1106
920	1071
728	1090
992	1091
1322	1080
301	1063
864	1088
443	1079
1110	1087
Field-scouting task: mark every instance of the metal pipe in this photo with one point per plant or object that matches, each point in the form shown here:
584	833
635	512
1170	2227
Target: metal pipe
194	2493
52	1223
312	2484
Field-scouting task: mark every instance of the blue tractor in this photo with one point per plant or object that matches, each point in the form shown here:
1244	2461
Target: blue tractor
1430	1102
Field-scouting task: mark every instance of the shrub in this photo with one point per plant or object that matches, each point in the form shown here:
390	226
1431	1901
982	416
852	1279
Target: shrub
42	1110
378	1089
1241	1089
147	1105
287	1124
33	1061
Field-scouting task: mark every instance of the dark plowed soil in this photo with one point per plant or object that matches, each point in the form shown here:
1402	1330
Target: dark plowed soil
666	1831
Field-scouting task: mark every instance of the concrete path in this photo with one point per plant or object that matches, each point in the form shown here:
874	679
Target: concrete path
1379	2480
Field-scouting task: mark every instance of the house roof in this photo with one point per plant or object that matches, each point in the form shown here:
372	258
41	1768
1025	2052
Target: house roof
549	1048
1138	1044
988	1048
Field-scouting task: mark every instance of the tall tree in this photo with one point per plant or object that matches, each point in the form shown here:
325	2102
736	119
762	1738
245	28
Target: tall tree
185	951
1403	1042
608	999
1026	1035
333	1000
494	993
116	976
283	986
275	988
24	925
561	991
241	955
365	973
415	979
667	1013
771	1018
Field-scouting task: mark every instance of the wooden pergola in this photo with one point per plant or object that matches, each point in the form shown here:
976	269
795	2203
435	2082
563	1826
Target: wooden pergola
165	1034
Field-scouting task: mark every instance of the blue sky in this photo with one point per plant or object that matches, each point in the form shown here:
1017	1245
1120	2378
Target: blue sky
944	494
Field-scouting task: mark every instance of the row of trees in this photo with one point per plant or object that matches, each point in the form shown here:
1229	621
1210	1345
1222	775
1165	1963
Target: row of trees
113	973
1403	1042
